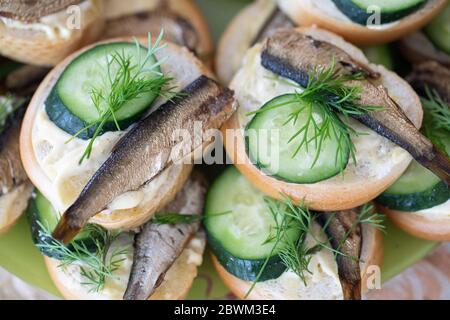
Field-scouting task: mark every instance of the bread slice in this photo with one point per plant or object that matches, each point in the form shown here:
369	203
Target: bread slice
307	13
176	282
184	68
239	36
371	255
13	205
186	9
335	193
418	225
35	46
176	285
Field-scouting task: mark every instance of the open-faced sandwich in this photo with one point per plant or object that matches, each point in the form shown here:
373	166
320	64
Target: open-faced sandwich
419	202
431	43
15	188
254	24
320	124
106	136
364	22
45	32
181	20
70	132
157	261
269	249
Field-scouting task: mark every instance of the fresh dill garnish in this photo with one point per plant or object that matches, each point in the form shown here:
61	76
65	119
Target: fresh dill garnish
175	218
328	93
97	262
367	216
8	105
437	111
126	81
280	229
436	124
295	255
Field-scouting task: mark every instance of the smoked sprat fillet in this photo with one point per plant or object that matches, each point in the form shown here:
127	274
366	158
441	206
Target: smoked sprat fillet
277	20
157	246
147	150
295	56
346	237
12	173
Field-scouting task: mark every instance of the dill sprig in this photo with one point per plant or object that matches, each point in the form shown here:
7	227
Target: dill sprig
9	104
366	216
176	218
97	262
436	124
328	94
437	111
295	255
126	81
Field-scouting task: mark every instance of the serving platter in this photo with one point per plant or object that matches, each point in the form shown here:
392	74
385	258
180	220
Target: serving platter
19	256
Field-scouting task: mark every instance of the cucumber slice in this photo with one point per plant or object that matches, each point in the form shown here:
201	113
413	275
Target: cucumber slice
380	55
438	31
70	104
239	238
269	148
361	11
418	188
41	213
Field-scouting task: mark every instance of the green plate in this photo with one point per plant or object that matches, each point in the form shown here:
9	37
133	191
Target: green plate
19	256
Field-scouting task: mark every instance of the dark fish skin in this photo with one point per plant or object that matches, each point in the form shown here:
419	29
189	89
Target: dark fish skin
146	150
277	20
158	246
433	75
294	55
337	226
176	29
12	173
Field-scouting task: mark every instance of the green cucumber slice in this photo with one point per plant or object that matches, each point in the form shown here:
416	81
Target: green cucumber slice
438	31
70	104
380	55
239	238
418	188
269	148
41	213
361	11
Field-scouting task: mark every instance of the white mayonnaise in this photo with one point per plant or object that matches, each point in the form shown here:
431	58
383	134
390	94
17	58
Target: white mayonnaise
322	283
438	212
56	25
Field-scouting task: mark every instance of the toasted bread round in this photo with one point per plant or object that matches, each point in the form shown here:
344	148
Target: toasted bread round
371	255
239	36
13	204
119	13
175	286
184	67
419	225
332	194
35	46
306	13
